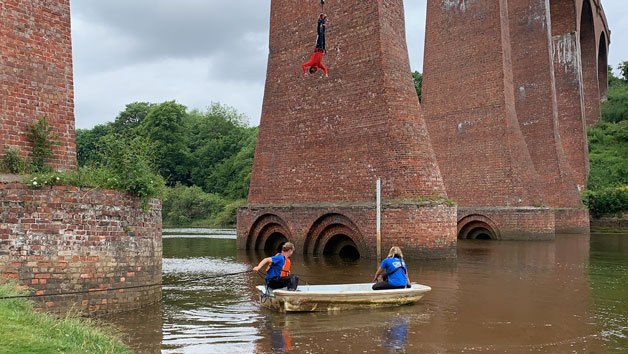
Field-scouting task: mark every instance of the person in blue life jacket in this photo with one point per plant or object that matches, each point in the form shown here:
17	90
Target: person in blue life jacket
278	272
394	270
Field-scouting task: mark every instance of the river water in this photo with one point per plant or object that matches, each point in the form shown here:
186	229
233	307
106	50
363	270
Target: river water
564	296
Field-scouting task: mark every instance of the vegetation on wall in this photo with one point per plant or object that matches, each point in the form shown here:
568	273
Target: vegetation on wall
42	138
607	192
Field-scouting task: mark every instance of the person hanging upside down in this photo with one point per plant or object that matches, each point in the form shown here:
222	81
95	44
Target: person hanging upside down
316	61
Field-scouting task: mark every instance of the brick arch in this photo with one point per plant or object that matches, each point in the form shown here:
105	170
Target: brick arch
589	57
602	66
263	228
328	226
468	225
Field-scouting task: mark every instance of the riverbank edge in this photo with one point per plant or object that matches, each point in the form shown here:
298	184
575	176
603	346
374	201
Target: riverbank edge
197	224
25	330
610	224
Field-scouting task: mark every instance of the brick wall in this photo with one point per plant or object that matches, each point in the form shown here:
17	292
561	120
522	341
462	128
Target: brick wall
572	220
589	57
469	106
535	100
64	239
513	223
36	74
422	231
327	140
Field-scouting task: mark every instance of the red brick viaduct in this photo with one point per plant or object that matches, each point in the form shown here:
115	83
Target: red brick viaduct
509	87
508	90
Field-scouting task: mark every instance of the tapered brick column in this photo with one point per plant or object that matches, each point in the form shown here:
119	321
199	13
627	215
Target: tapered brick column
537	108
589	55
469	108
323	142
569	89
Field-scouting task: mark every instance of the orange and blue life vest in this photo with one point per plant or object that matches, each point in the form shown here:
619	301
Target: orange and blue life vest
279	268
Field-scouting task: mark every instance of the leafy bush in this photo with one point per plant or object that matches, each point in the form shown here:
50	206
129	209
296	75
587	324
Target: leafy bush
41	135
608	201
183	205
12	162
125	165
213	150
616	108
229	215
608	154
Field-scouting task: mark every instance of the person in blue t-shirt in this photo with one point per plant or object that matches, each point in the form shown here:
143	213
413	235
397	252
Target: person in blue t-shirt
278	272
394	270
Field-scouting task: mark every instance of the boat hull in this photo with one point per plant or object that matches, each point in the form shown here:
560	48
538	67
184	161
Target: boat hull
342	297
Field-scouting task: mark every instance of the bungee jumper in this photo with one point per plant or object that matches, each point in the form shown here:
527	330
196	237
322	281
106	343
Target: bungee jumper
316	61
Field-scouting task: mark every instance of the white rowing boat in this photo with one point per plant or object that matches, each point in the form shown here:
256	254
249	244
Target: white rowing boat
309	298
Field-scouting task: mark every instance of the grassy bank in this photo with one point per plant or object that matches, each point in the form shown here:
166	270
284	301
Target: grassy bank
24	330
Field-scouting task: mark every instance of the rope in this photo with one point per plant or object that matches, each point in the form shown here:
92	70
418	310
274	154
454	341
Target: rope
147	286
122	288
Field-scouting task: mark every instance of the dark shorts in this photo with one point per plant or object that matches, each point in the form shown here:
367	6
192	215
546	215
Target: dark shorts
383	285
291	282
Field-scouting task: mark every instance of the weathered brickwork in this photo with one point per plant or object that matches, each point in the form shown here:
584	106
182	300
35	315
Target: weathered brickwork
523	223
421	230
589	59
509	69
325	140
36	75
572	221
64	239
535	100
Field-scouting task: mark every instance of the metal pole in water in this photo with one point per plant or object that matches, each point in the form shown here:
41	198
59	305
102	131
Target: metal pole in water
379	221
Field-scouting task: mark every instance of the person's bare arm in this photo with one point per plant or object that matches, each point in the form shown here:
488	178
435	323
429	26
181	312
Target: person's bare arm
262	263
380	270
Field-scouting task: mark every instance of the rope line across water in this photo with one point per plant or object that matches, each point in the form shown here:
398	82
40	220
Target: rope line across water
122	288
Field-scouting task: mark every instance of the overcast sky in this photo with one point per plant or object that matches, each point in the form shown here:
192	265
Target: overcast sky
202	51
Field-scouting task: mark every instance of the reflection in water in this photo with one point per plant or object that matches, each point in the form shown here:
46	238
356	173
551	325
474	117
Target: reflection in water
569	295
396	336
280	340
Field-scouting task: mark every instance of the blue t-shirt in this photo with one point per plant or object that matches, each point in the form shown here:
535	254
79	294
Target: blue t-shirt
398	278
275	268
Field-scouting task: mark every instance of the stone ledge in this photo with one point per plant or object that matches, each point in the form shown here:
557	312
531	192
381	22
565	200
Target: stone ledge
9	178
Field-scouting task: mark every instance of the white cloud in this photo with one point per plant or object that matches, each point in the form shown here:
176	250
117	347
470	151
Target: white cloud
199	51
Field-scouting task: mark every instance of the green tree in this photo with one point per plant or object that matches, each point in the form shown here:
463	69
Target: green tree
214	137
130	119
623	69
612	79
417	77
89	144
231	178
164	126
608	154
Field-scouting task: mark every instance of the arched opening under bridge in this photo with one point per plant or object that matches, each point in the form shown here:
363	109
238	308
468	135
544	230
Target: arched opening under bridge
343	246
588	54
477	227
275	242
602	72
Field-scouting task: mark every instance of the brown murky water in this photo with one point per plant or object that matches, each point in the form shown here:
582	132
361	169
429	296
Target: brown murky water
566	296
